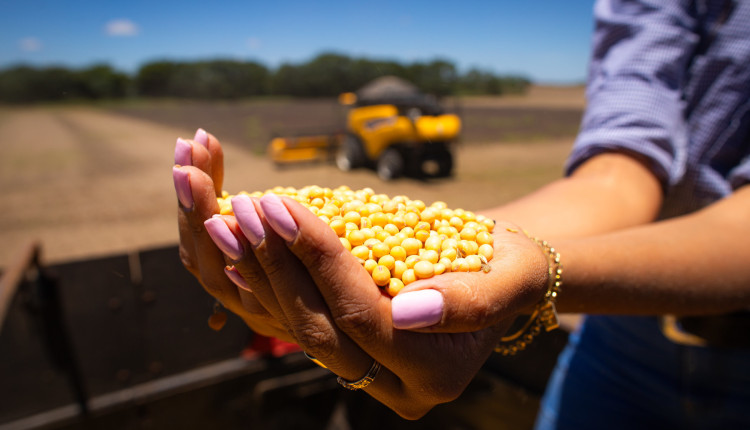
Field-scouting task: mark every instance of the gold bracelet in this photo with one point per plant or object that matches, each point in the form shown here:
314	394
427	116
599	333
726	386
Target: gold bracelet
545	313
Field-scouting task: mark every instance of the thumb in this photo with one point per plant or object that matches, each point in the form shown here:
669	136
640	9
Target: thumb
466	302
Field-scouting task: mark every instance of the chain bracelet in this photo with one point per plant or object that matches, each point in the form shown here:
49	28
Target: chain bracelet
545	313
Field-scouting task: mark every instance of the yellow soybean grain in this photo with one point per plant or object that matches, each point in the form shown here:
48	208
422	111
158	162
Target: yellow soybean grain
397	239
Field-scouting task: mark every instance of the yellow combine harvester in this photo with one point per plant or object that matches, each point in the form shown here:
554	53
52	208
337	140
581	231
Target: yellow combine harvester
390	127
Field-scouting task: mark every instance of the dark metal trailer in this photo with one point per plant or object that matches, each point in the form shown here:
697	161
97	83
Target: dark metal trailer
122	342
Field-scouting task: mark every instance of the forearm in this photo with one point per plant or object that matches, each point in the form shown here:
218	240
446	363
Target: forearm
694	264
608	193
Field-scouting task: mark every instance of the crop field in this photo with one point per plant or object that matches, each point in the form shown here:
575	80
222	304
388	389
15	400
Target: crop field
87	180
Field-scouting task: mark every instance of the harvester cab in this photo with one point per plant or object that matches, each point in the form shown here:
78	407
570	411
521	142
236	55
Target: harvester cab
397	130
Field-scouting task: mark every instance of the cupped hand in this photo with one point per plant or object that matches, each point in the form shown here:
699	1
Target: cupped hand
198	176
515	284
285	273
431	339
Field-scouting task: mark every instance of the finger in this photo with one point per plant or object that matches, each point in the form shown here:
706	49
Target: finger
462	302
194	257
255	315
353	307
197	201
187	245
312	325
247	297
183	156
334	270
213	147
307	314
189	153
226	233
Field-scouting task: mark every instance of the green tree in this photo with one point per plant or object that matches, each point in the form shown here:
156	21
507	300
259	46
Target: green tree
23	84
287	80
478	82
153	79
102	82
326	75
221	79
438	77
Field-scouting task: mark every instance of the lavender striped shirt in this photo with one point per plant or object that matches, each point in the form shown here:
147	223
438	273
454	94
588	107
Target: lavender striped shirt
669	82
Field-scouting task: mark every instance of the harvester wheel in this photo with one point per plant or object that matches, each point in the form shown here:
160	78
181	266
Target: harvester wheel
390	164
445	164
350	155
438	163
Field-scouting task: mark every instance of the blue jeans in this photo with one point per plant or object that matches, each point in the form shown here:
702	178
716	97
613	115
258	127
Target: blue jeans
621	372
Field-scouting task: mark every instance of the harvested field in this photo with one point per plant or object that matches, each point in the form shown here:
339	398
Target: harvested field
87	181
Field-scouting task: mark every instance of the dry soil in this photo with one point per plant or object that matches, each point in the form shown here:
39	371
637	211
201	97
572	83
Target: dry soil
87	181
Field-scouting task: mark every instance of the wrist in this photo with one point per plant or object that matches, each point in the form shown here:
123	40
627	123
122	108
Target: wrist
543	315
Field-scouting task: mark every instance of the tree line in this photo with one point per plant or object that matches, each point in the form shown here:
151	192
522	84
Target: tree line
326	75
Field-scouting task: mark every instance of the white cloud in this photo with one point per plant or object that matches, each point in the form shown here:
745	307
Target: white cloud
121	27
30	44
253	43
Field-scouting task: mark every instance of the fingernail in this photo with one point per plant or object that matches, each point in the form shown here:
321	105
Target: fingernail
279	217
201	137
223	237
235	277
182	186
417	309
183	153
248	219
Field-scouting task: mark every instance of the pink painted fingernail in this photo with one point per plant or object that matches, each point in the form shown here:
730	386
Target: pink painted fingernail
201	137
224	238
279	217
417	309
183	153
182	186
238	280
248	219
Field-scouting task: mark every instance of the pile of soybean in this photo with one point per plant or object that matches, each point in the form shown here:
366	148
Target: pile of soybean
398	240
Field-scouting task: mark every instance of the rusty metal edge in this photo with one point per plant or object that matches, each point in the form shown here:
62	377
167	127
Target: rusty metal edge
14	273
142	393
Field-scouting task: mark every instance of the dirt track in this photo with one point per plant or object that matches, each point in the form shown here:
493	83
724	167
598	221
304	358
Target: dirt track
86	182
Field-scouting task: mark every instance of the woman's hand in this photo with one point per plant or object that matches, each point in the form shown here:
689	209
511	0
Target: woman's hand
291	278
335	312
516	283
198	175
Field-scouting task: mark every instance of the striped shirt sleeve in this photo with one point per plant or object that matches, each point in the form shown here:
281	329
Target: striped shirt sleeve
640	55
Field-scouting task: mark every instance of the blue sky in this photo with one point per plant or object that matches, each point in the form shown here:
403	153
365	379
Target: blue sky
546	40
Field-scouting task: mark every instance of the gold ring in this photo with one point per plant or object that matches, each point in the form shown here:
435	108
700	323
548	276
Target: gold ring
364	382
